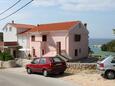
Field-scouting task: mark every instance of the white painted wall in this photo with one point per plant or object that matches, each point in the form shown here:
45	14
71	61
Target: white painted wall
23	41
9	36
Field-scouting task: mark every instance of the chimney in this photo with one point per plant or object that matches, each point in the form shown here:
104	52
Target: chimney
12	21
85	25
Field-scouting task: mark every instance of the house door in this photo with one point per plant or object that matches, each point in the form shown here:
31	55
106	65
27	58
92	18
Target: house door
43	51
34	54
14	53
58	48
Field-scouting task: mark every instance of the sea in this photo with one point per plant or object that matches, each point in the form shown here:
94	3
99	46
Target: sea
95	44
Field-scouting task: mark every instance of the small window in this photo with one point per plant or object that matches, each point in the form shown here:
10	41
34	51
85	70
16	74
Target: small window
10	28
77	37
44	37
113	61
79	25
43	61
76	52
33	38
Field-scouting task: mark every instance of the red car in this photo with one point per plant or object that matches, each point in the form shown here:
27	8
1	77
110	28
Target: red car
47	65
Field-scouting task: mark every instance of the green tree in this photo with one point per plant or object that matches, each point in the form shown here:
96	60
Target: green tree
5	56
110	46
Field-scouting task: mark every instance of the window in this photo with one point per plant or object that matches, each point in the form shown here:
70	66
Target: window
33	38
76	52
57	59
77	37
113	61
44	37
35	61
79	25
43	61
10	28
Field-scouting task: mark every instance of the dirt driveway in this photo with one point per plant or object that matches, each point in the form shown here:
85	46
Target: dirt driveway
84	79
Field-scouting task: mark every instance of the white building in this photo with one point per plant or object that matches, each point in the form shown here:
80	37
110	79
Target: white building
12	38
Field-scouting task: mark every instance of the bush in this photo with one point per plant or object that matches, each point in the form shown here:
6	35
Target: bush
110	46
5	56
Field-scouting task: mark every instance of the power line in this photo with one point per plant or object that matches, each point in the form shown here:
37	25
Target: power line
10	7
17	10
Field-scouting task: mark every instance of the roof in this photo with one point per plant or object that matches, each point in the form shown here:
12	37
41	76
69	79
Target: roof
54	26
25	26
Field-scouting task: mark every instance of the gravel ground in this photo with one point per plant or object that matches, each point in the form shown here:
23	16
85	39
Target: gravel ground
84	79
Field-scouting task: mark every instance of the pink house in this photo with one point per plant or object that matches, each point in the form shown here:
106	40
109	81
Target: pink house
69	39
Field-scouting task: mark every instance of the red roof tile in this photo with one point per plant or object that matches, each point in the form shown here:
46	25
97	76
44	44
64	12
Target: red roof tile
55	26
24	26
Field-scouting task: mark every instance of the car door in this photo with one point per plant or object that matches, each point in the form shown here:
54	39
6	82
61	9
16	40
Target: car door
113	63
35	65
42	64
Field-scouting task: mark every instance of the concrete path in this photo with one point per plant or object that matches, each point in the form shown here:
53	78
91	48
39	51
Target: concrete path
16	78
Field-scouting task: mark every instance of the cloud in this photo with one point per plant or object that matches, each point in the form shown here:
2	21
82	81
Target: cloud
44	3
78	5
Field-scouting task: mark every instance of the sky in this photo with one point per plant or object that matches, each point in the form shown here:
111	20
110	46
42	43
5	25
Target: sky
98	14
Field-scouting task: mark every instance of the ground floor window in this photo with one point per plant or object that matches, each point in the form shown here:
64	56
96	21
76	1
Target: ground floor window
76	52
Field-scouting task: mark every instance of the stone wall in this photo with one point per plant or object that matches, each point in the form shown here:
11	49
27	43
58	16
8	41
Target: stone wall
8	64
81	67
14	63
71	67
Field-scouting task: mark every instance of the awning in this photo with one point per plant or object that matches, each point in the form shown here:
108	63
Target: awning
24	49
10	43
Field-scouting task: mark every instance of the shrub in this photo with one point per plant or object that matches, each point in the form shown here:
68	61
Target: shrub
5	56
110	46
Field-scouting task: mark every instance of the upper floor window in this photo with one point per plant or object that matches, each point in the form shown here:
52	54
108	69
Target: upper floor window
77	37
44	37
33	38
80	25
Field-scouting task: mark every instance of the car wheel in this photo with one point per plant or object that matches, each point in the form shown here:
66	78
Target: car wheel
110	75
45	73
29	71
